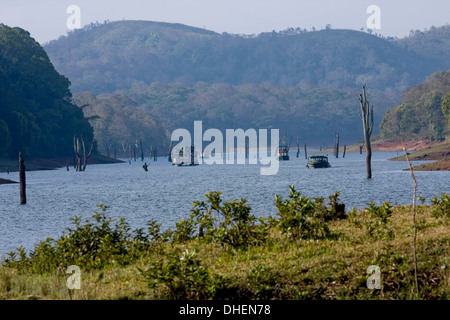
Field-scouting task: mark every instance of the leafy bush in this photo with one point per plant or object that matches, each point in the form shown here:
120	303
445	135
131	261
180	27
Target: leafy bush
229	223
184	277
441	207
264	281
91	245
375	220
300	217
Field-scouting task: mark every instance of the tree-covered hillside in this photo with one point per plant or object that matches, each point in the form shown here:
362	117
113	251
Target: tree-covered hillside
119	125
35	113
433	43
312	115
118	55
422	114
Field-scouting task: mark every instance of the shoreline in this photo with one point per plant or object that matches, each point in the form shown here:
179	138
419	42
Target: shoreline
420	150
10	165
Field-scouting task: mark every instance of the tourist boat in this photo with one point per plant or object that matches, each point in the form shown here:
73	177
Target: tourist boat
181	158
318	162
283	153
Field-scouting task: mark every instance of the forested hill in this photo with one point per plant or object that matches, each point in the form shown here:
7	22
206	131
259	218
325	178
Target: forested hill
433	43
117	55
422	113
311	115
35	115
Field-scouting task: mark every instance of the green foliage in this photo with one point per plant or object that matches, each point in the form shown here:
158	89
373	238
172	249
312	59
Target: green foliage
446	108
374	220
92	245
421	114
300	217
36	115
184	277
264	281
230	223
441	207
183	264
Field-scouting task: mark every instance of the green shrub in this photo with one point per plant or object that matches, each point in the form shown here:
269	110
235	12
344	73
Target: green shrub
184	277
441	207
89	245
375	220
299	217
229	223
263	281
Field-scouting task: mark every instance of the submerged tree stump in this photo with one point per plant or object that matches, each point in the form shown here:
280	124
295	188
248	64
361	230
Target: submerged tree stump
23	194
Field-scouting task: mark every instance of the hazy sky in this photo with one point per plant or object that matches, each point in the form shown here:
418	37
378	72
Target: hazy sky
46	19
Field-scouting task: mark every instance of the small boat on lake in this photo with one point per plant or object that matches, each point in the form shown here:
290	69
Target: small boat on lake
283	150
318	162
283	153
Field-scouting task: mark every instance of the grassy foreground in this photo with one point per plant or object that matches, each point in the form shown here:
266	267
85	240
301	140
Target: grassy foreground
310	250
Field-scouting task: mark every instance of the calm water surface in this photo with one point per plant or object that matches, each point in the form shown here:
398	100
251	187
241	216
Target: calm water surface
166	193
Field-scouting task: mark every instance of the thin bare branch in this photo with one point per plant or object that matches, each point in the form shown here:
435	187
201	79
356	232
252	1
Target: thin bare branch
414	217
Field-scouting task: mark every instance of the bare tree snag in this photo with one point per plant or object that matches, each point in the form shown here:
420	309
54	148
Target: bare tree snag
142	150
365	112
170	152
414	218
336	144
23	194
79	149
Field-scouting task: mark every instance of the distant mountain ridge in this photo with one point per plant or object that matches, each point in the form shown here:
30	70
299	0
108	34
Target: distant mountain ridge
119	55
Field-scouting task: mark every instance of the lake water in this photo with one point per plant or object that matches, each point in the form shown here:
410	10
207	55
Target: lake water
166	193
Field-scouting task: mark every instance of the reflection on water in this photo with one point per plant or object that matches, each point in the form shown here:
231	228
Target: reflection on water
166	193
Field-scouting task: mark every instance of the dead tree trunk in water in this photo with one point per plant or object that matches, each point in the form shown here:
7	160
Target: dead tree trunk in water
345	149
23	194
246	147
306	154
366	114
170	152
80	151
142	150
298	148
336	144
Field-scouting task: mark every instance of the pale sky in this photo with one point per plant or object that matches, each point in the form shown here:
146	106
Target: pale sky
46	19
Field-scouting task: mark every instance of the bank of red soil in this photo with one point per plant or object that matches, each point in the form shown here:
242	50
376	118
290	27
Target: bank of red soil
420	150
395	146
440	153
